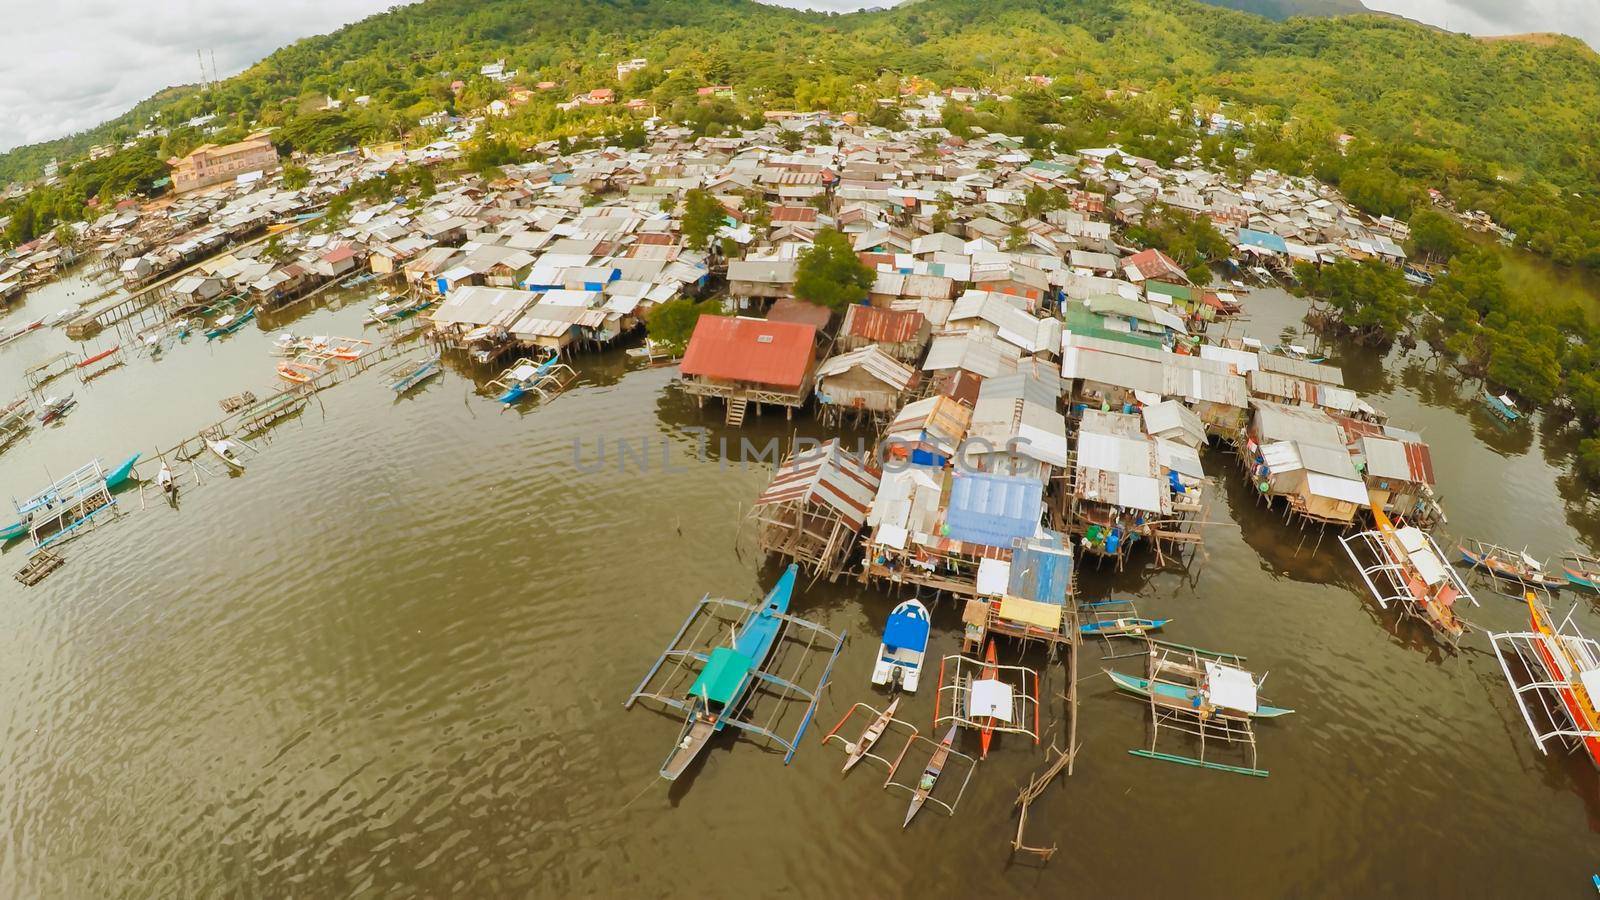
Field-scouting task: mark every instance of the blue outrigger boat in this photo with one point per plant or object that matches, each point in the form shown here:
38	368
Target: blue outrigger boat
412	372
1581	570
524	378
728	675
1131	626
1501	405
228	325
1168	692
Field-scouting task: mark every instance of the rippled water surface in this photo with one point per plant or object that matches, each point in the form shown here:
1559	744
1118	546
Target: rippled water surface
390	660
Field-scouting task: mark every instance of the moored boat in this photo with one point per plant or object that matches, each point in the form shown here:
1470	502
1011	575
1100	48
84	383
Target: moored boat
1131	626
228	452
1508	564
116	477
1405	565
729	673
55	408
930	776
230	323
857	751
1167	692
991	671
1501	405
905	643
1581	570
1560	668
411	372
7	337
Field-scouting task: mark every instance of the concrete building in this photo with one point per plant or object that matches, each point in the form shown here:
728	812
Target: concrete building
209	164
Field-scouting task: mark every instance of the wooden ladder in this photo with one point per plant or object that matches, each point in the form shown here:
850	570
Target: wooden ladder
736	410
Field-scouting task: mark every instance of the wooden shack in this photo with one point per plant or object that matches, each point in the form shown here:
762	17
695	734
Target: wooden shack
814	507
864	383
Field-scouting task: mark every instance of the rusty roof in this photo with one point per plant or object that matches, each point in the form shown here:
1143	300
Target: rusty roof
885	326
790	309
754	350
828	476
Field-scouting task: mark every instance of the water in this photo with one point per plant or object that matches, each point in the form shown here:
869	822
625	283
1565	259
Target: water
390	660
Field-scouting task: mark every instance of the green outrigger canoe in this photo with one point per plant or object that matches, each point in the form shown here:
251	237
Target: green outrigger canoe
1141	686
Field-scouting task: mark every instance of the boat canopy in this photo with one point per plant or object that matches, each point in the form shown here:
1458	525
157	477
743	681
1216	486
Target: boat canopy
907	630
725	671
1230	687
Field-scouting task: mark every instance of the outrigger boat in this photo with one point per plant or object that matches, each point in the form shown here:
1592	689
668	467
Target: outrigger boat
525	377
991	671
1168	692
1501	405
228	452
1405	565
390	310
729	673
905	643
1559	668
857	751
1508	565
297	371
1581	570
55	408
13	531
116	477
411	372
930	776
230	323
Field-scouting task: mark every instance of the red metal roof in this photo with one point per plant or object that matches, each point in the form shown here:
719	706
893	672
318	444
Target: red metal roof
886	326
1153	263
1421	462
755	350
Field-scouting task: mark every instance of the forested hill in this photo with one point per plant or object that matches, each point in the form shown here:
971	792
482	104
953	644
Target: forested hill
1284	9
1478	118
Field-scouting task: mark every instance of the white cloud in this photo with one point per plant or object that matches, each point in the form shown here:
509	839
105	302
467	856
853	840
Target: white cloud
73	64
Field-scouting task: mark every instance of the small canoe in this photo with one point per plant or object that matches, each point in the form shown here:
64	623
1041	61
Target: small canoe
991	670
91	360
1502	405
116	477
9	336
875	729
930	776
1133	684
1126	625
227	452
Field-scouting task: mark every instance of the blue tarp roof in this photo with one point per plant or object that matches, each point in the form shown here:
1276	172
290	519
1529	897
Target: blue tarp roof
1041	571
993	510
907	630
1249	238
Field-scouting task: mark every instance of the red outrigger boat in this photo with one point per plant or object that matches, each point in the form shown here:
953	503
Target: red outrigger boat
1560	673
991	670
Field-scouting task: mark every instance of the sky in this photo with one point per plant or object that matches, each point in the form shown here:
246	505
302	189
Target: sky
72	64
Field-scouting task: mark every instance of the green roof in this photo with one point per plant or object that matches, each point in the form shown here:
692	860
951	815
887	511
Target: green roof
1176	291
724	674
1081	320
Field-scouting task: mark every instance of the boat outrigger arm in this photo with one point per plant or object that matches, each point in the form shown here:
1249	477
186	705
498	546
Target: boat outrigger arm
681	656
1548	693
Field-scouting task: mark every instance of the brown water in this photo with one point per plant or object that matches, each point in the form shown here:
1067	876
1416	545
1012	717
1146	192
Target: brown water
390	660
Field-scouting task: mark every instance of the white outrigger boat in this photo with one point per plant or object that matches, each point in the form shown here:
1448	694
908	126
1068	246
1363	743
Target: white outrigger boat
227	451
905	643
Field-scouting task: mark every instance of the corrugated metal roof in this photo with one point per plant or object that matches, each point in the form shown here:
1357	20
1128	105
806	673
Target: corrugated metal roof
886	326
825	475
875	362
754	350
1386	458
993	510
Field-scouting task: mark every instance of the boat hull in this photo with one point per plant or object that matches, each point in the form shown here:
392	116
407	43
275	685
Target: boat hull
1591	744
1532	580
120	474
1133	684
696	734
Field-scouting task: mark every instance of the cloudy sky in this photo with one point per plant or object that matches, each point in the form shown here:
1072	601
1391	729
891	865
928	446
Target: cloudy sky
71	64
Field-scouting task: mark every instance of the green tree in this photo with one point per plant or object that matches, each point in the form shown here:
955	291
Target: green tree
703	216
672	323
295	176
830	273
